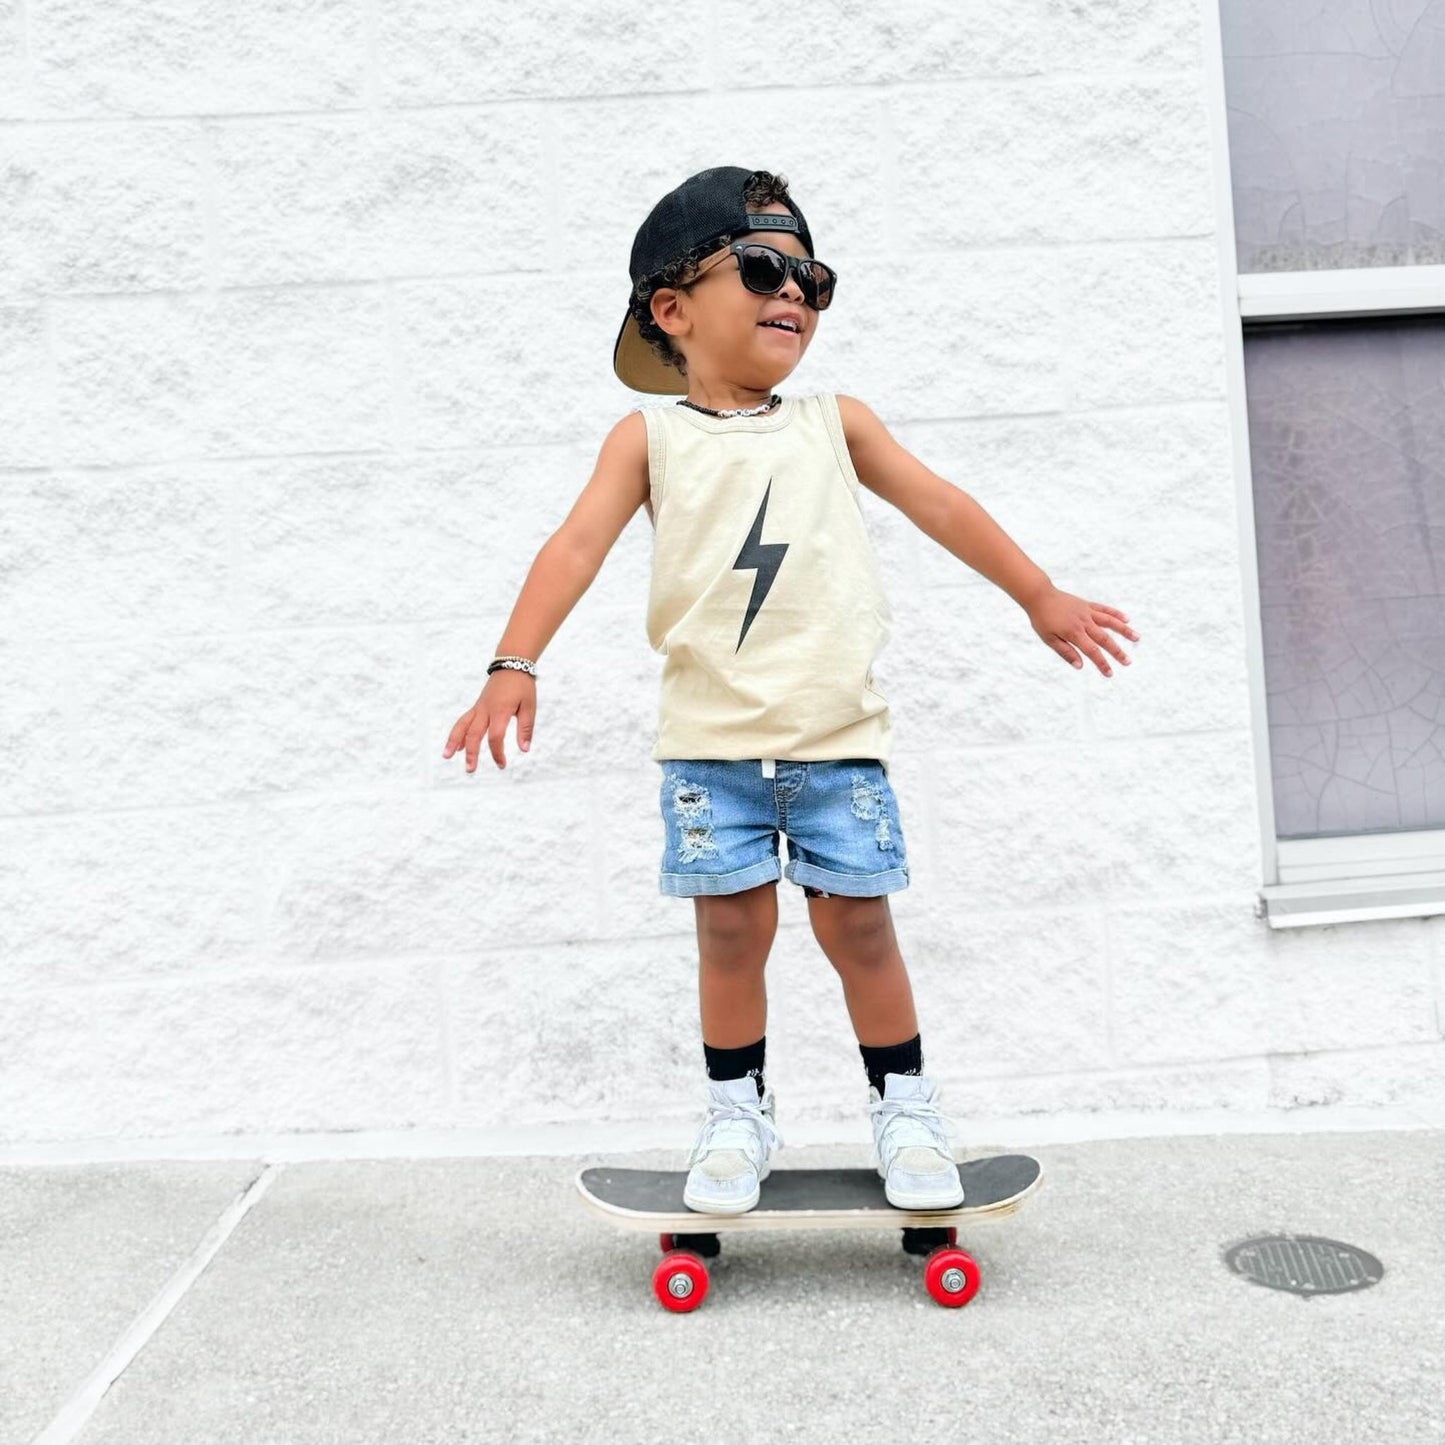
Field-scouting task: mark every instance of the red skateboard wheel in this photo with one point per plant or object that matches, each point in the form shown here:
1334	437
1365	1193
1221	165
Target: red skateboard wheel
952	1277
680	1281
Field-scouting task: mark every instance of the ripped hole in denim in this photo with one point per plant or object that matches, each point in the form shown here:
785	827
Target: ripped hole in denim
868	805
694	819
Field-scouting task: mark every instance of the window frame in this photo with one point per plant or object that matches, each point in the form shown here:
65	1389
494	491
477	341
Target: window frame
1338	878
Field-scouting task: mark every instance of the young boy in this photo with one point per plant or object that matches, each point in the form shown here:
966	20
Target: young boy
767	605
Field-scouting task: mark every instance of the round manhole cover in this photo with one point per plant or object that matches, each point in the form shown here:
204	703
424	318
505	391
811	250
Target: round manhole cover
1304	1264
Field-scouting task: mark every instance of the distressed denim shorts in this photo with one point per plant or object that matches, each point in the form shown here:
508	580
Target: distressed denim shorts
722	819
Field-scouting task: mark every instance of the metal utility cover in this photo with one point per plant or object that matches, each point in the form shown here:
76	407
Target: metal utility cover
1304	1264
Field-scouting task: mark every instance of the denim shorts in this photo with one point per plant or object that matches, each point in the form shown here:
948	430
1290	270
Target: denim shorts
722	819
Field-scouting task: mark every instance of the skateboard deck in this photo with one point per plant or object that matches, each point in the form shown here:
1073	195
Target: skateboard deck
651	1199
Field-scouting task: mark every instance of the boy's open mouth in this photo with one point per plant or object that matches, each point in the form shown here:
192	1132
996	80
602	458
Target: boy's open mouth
778	326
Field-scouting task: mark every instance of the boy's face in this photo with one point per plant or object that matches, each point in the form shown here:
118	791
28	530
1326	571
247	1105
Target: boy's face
717	322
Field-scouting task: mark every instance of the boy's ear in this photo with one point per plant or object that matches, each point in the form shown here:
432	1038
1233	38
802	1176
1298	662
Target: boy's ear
664	308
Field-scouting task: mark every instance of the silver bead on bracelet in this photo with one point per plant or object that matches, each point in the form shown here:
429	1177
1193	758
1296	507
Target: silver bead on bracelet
520	664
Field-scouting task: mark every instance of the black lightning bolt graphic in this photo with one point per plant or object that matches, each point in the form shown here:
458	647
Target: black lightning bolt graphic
766	557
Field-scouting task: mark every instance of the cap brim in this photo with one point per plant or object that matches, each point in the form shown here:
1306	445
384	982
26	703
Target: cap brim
637	365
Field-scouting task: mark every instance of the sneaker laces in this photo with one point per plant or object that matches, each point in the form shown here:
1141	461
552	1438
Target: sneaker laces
731	1125
908	1123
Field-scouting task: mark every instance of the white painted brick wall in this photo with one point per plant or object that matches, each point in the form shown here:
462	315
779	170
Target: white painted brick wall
306	316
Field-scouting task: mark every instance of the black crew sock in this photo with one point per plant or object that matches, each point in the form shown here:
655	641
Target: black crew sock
737	1063
904	1058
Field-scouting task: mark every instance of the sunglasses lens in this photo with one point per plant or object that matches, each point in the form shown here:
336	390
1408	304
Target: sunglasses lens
817	282
762	269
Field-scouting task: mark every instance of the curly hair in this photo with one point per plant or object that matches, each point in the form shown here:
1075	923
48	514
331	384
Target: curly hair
763	189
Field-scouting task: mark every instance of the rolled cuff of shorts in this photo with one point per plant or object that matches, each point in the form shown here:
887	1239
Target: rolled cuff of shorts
690	885
850	885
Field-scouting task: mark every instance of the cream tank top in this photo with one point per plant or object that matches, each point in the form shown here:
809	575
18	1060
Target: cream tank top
765	599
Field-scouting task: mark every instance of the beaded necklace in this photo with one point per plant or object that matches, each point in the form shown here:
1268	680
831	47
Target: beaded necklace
771	402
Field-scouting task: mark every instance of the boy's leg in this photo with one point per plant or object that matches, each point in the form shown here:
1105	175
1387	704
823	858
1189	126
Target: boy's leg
735	933
856	935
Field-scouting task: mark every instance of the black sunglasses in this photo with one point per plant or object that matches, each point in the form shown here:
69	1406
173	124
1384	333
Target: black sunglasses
765	270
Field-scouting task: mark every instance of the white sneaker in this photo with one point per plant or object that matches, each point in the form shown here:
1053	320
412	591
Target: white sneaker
731	1157
910	1144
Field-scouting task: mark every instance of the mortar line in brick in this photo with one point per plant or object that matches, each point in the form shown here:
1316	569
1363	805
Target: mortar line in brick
602	909
176	118
52	380
1083	715
302	797
426	751
27	59
400	421
888	146
1432	991
1005	246
209	204
922	422
943	84
1106	930
1040	418
714	49
1144	408
373	68
552	184
230	490
997	79
284	971
446	1009
262	894
241	631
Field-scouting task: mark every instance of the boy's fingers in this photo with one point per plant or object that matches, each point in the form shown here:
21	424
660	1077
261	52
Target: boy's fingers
474	741
526	716
458	734
496	736
1091	650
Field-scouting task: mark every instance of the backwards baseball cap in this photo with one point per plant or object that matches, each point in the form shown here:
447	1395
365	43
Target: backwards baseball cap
701	212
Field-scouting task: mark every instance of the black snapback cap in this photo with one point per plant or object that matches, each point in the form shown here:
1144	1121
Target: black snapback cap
704	209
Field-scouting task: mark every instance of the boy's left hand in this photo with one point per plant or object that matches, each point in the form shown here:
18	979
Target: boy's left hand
1060	618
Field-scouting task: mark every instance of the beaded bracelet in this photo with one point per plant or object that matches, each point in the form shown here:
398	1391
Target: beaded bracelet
521	664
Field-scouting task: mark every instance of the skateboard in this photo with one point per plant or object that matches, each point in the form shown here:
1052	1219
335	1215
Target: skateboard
651	1199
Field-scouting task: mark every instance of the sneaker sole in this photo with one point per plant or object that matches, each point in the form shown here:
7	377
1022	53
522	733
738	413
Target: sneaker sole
702	1206
921	1201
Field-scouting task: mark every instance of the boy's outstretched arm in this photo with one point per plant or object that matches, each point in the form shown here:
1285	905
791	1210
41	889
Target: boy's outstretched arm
563	570
958	523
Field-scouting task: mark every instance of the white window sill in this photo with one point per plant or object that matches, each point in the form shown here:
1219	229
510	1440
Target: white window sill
1342	900
1347	879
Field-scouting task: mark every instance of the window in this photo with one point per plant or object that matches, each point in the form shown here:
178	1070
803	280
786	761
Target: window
1332	116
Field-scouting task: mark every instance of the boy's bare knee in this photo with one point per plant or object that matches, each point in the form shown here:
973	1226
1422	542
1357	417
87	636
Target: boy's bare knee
860	925
750	914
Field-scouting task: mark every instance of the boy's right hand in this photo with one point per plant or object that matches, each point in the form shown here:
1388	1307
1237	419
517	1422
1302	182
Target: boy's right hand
508	691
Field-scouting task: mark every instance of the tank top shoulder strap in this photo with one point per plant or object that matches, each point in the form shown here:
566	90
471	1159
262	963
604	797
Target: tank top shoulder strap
655	418
833	421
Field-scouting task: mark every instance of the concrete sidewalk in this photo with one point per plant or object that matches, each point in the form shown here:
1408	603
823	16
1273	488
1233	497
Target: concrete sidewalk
460	1300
